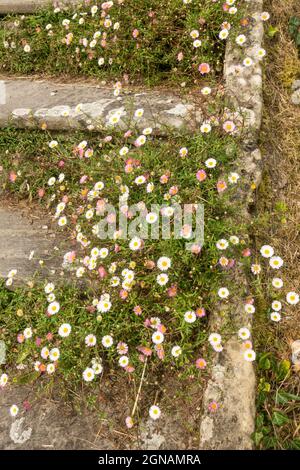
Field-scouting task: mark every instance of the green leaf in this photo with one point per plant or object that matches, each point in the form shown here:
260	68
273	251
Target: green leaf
295	444
284	397
267	387
23	355
272	31
269	442
264	362
28	378
283	369
257	437
259	420
279	419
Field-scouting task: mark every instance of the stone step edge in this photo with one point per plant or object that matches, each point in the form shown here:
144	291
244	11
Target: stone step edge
233	382
8	7
59	111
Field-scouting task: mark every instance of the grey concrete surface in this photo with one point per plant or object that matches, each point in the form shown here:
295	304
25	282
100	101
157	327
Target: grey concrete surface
30	103
22	6
233	382
19	236
30	6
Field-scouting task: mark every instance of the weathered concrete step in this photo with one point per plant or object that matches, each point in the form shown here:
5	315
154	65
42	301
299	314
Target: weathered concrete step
21	6
48	424
30	103
27	6
19	236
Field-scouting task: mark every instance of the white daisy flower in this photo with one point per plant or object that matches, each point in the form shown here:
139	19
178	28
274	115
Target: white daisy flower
233	178
99	186
151	218
50	368
88	374
140	180
154	412
107	341
183	152
241	39
53	144
115	281
103	253
223	292
14	410
276	262
163	263
244	333
51	181
90	340
53	308
27	333
54	354
190	316
45	352
222	244
276	305
206	90
157	337
62	221
265	16
97	368
147	131
210	163
267	251
205	128
292	298
275	316
247	62
139	113
260	53
162	279
249	355
89	214
214	338
64	330
217	347
277	282
49	287
234	240
135	244
123	361
104	306
223	34
3	380
176	351
249	308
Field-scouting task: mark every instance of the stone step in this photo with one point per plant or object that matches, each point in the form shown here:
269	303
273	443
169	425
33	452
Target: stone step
49	424
27	6
27	103
20	234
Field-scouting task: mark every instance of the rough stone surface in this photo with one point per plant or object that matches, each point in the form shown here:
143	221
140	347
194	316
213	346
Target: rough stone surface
296	85
232	383
31	103
19	235
48	424
295	98
244	84
22	6
27	6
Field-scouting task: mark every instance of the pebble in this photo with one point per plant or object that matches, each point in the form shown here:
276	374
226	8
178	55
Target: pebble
295	98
